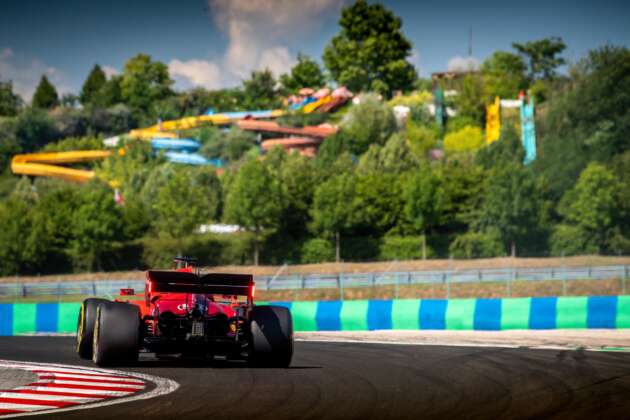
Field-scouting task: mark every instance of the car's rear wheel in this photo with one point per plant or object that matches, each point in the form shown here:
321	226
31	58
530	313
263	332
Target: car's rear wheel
116	334
85	326
271	336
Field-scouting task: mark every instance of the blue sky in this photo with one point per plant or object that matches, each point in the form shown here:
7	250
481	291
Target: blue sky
215	43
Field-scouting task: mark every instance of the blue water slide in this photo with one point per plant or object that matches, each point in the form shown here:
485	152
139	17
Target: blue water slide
181	145
187	158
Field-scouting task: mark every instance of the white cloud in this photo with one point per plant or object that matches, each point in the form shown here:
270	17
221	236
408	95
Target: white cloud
196	73
261	34
6	53
26	73
110	71
414	59
459	63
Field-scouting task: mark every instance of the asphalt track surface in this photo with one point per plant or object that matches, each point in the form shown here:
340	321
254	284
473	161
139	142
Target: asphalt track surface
371	381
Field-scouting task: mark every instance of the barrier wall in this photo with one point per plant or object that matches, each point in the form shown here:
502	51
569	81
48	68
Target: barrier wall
402	314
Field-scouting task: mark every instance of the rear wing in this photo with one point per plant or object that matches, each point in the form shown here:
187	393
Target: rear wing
212	283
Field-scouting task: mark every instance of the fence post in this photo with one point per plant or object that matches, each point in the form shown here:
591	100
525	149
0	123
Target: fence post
448	285
340	280
564	281
623	279
396	287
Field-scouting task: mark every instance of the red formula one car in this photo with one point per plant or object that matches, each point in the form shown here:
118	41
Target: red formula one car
186	313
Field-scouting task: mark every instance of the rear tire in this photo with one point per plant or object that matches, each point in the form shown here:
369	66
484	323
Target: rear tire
116	334
85	326
272	336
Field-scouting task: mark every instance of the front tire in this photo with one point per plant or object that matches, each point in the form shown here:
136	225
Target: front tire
85	326
271	336
116	334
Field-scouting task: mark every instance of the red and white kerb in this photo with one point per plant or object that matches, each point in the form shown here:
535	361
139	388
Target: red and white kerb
61	387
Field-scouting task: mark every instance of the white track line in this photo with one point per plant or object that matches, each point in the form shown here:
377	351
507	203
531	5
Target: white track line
457	344
163	386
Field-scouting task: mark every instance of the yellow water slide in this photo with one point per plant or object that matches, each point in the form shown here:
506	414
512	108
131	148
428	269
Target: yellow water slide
47	164
168	129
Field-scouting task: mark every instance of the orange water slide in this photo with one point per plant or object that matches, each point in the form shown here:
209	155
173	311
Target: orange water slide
47	164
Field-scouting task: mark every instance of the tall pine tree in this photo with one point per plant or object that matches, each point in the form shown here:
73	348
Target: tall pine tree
92	85
45	95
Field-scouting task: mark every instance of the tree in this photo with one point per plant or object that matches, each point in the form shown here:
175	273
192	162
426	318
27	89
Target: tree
378	203
423	201
511	205
471	100
144	82
370	122
298	180
96	226
590	211
110	93
306	73
45	96
254	202
10	102
395	157
260	91
230	146
572	134
188	198
92	85
464	184
542	56
333	209
504	75
34	129
370	52
15	222
421	138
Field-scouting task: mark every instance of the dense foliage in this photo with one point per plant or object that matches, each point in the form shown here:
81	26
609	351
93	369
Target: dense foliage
383	187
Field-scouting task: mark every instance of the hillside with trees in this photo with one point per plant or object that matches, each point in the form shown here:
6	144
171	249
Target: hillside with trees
377	190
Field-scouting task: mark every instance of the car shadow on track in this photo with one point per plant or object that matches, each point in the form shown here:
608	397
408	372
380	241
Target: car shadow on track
179	362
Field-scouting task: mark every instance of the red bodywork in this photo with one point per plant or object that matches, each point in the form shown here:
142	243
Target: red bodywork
178	302
185	310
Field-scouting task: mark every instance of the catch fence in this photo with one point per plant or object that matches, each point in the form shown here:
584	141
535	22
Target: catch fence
60	289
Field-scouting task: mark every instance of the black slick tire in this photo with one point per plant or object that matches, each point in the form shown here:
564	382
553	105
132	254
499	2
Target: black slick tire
271	336
85	326
116	334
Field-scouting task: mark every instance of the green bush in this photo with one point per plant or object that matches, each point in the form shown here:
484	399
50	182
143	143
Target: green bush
317	250
457	123
370	122
75	143
570	240
403	248
468	139
476	245
35	129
